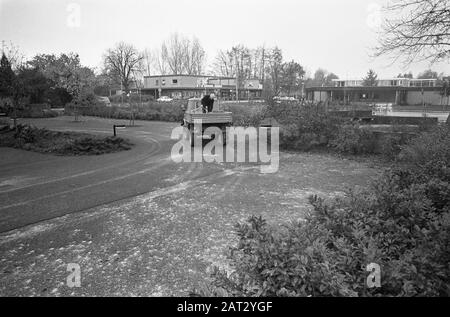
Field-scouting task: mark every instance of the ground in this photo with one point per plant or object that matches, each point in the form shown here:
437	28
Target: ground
136	222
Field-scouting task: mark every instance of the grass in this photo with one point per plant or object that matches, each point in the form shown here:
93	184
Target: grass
60	143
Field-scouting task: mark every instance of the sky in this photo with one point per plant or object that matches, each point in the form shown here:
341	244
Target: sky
337	35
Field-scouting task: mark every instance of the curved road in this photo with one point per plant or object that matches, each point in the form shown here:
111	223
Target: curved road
37	187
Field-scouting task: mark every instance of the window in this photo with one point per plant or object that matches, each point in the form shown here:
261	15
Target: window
174	81
157	82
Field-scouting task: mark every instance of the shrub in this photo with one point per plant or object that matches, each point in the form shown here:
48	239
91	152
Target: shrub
6	105
35	111
147	111
304	127
351	139
401	222
133	98
326	255
390	144
425	161
63	143
94	146
245	114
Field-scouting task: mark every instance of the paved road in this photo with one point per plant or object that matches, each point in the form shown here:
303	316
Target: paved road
38	187
136	222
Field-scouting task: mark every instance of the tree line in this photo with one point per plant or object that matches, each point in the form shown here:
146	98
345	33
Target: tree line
412	31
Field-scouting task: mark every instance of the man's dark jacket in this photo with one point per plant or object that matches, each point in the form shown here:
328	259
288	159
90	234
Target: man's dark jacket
208	103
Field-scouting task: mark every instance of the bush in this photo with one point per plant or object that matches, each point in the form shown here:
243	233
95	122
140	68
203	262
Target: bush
304	127
134	98
63	143
35	111
351	139
171	112
6	105
425	161
390	144
246	115
401	222
94	146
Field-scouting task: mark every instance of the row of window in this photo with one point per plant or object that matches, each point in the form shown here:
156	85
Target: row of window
387	83
163	82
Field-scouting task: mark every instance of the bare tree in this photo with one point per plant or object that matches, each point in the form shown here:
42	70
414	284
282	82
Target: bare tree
194	57
237	62
241	57
123	61
182	55
148	62
159	63
292	77
429	74
275	62
172	53
224	64
416	30
12	52
258	62
241	62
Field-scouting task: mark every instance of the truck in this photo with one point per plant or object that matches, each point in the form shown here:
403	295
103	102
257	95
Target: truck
194	112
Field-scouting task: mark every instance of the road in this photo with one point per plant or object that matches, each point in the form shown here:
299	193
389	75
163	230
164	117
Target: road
137	223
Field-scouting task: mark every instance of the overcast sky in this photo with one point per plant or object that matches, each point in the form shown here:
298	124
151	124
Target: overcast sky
333	34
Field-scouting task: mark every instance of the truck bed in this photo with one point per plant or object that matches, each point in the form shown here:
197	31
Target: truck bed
210	117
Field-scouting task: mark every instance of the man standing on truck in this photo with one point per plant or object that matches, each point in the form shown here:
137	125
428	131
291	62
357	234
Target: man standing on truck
208	102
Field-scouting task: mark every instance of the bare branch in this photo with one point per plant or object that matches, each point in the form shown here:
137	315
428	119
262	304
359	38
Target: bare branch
416	30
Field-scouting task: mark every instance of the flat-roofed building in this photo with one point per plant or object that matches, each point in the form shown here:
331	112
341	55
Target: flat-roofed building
187	86
398	91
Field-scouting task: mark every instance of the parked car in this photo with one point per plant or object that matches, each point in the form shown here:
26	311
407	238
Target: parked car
164	99
279	99
104	100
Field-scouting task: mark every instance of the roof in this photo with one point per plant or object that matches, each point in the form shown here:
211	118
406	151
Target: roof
184	75
383	79
373	88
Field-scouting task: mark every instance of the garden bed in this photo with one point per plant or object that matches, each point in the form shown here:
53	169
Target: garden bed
30	138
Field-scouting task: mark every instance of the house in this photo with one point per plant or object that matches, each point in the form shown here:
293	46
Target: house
188	86
398	91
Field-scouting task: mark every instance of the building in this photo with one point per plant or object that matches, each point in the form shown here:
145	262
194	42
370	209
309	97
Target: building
187	86
117	90
398	91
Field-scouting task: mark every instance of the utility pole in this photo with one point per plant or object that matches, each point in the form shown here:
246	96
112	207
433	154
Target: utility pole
237	79
263	69
121	93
